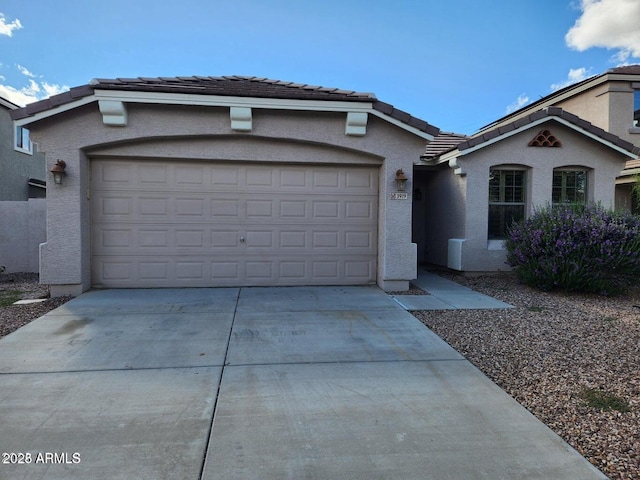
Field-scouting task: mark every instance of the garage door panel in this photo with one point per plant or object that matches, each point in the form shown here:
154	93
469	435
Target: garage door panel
156	223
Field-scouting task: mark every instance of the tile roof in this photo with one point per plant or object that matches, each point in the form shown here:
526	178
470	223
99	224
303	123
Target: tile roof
624	70
471	142
444	142
234	86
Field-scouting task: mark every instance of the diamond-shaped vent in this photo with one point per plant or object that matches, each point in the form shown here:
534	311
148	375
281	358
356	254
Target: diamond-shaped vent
545	139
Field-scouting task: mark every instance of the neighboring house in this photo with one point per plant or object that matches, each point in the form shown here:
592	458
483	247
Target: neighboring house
225	181
22	192
610	101
468	190
22	172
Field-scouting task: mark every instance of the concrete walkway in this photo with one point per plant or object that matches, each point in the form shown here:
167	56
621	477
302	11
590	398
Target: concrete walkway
445	295
257	383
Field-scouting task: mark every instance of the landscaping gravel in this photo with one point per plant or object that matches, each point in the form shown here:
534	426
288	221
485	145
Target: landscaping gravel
553	353
23	286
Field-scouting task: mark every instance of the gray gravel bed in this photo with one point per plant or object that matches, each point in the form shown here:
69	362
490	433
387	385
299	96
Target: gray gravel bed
552	349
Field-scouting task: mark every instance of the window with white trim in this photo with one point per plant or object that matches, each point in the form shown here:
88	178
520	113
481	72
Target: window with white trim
569	186
22	141
507	197
636	108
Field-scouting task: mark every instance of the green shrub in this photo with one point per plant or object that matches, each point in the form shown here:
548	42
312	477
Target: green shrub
582	248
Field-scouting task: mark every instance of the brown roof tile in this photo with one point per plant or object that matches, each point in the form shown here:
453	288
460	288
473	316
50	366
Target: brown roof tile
626	70
234	86
549	112
444	142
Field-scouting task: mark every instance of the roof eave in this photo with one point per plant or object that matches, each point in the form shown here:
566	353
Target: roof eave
546	118
51	107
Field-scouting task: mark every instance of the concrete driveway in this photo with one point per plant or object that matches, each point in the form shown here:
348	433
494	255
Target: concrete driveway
257	383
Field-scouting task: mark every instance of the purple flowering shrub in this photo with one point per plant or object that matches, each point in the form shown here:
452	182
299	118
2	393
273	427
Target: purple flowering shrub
581	248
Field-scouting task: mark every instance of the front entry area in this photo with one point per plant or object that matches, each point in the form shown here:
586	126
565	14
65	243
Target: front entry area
159	223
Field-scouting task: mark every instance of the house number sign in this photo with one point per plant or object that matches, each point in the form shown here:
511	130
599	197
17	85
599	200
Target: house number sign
399	196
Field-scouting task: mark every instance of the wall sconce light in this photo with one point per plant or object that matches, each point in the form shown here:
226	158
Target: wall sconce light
401	179
58	171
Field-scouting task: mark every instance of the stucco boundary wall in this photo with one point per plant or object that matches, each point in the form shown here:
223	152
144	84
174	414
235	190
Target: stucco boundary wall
23	227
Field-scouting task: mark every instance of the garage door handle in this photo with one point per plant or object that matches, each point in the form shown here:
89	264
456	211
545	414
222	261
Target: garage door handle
241	239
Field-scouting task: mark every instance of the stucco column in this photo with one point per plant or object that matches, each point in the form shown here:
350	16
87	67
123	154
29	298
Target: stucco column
398	255
61	255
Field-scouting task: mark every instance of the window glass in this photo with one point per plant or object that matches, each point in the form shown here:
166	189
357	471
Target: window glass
506	200
22	139
569	186
636	108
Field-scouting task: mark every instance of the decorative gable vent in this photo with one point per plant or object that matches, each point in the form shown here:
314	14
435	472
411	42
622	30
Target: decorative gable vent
545	139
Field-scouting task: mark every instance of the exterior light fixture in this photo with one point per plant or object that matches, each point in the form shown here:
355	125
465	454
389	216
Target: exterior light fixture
58	171
401	179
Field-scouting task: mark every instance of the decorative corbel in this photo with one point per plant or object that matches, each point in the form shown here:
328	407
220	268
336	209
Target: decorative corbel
356	124
241	120
114	113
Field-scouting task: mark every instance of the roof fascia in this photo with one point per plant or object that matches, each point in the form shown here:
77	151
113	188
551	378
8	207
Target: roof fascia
223	101
54	111
402	125
544	120
6	103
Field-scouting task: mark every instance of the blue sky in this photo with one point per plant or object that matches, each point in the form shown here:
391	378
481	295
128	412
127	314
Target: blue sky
458	65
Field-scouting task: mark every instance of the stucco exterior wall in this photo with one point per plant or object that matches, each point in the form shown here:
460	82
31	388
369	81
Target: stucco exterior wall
478	254
441	213
592	105
16	167
191	132
608	106
22	230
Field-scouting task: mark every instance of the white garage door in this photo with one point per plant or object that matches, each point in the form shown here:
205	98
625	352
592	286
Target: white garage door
178	224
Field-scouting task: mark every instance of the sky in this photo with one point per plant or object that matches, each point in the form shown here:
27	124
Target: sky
459	64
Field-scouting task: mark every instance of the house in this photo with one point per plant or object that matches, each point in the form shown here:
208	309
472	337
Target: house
22	192
22	171
468	190
225	181
245	181
611	101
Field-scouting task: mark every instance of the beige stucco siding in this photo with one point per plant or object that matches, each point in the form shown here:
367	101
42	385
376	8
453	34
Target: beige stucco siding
608	106
540	162
204	133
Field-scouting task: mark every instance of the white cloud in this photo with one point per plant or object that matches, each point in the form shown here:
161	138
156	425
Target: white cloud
611	24
520	102
21	96
32	92
575	75
25	72
53	89
8	28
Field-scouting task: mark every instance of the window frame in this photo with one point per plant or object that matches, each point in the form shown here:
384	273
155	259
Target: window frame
502	202
563	186
635	116
21	137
